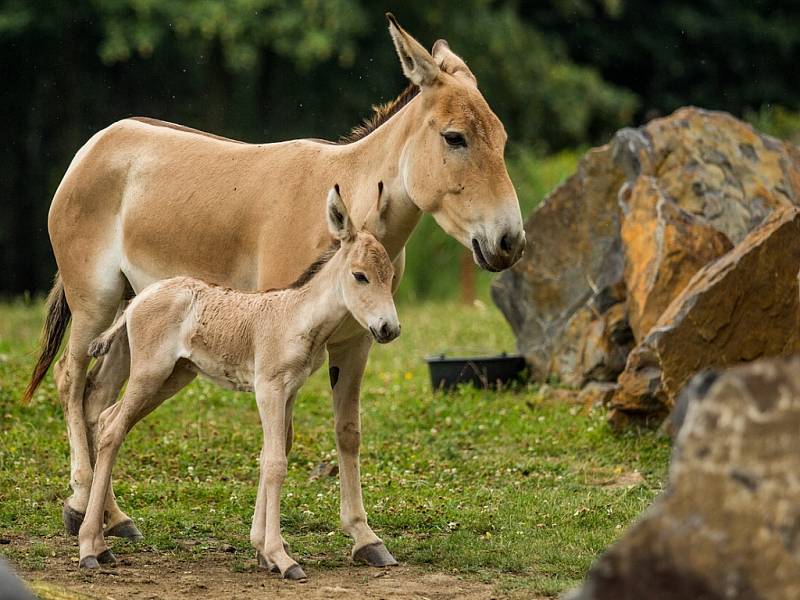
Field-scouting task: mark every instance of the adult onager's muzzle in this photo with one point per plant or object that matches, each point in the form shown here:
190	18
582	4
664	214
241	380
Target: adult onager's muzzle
499	254
384	331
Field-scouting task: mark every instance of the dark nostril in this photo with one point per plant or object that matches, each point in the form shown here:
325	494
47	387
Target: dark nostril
505	243
384	330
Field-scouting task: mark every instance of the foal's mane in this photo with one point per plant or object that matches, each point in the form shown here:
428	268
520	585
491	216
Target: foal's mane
380	114
316	266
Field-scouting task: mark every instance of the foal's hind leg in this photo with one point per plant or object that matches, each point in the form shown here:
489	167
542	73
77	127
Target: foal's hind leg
102	389
88	321
146	391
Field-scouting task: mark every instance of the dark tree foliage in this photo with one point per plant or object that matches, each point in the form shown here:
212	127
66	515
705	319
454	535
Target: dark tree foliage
559	73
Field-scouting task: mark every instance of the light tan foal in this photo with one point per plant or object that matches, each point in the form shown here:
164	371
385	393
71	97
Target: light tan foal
269	342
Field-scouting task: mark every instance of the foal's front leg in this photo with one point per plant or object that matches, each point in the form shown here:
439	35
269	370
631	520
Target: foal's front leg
272	400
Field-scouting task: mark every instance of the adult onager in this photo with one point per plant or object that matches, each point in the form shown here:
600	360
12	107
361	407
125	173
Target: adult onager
145	200
270	342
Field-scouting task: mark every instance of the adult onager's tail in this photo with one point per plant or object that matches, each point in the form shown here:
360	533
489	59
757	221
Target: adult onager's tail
102	344
55	325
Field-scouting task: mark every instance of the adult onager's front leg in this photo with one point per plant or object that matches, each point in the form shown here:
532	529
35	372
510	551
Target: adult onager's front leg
347	362
272	402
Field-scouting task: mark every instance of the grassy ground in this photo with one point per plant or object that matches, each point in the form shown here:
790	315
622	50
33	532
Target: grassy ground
505	487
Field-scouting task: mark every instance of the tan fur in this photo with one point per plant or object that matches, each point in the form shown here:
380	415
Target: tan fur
145	200
267	341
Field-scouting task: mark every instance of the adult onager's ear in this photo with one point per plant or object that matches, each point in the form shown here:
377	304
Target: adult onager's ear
339	223
450	62
418	64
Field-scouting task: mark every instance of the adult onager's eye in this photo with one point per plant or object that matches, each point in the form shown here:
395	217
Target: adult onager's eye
454	139
360	277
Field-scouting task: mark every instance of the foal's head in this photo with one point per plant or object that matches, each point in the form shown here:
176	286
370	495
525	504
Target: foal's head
365	272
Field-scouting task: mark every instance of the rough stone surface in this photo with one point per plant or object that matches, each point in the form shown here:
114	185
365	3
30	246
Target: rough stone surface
728	524
742	307
664	247
573	253
694	182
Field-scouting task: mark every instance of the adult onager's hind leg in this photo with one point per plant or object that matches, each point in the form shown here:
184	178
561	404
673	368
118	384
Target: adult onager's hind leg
272	403
350	359
146	390
103	385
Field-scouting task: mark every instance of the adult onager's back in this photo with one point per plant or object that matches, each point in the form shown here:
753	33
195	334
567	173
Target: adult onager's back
267	341
145	200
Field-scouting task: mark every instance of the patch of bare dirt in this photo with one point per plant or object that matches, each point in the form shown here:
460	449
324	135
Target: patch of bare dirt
151	576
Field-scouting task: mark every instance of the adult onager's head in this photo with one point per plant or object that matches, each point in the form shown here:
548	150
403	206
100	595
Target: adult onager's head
365	278
454	167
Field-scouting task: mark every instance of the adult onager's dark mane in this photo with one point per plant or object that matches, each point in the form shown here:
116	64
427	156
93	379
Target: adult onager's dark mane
380	114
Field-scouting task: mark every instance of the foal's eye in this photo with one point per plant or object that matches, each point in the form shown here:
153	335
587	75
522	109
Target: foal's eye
454	139
360	277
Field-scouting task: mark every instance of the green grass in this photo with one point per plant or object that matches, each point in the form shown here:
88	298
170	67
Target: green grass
500	486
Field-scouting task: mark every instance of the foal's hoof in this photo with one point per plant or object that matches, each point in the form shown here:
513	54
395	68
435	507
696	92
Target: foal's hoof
295	573
106	557
72	519
89	562
375	555
125	529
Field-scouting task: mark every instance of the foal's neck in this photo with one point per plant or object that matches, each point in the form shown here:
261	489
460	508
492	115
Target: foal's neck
317	308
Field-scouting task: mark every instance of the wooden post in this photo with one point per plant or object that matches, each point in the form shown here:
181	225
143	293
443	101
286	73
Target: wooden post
467	277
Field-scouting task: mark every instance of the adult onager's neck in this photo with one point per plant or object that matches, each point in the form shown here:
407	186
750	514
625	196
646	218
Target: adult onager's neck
379	156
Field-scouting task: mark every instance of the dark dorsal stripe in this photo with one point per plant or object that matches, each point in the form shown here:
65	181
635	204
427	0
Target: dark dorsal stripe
184	128
381	113
316	266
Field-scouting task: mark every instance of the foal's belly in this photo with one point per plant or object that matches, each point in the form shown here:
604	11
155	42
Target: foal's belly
229	376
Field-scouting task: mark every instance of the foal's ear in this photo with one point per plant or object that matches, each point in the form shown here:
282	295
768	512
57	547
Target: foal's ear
418	65
339	223
451	63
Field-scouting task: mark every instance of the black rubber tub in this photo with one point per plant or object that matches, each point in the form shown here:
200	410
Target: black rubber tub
480	371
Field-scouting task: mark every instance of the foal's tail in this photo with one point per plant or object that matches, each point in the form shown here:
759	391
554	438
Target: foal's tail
102	344
55	326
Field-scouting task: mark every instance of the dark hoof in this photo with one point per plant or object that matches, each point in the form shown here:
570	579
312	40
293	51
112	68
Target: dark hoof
125	529
89	562
295	573
266	565
106	557
375	555
72	519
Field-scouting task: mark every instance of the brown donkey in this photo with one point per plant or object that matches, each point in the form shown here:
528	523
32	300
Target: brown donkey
270	342
145	200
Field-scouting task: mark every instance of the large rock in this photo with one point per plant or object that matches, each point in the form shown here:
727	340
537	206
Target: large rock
573	254
698	179
664	247
744	306
728	524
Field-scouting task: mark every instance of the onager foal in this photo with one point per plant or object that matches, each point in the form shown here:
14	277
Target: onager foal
267	341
